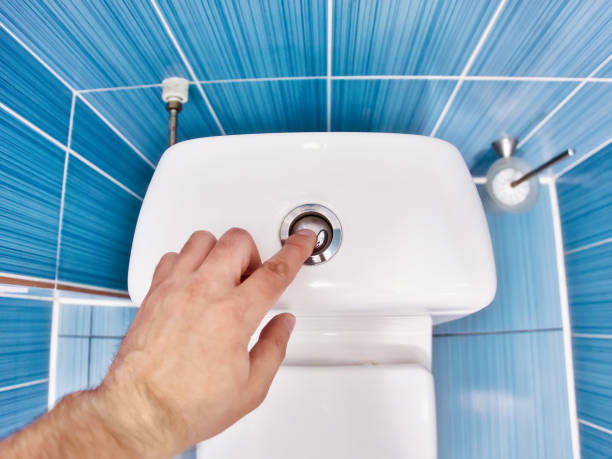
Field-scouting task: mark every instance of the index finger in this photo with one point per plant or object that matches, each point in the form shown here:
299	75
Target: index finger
265	286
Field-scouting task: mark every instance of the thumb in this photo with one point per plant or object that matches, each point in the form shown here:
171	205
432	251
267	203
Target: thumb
267	355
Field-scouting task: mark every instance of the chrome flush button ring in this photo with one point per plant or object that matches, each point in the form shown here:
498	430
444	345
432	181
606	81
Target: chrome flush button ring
323	222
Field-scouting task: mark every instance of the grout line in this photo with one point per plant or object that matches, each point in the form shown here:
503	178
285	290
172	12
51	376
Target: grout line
105	174
330	29
26	297
468	65
53	350
32	126
115	130
96	302
63	193
258	80
94	336
27	384
497	332
584	158
479	180
120	88
562	103
533	79
98	290
65	147
69	86
588	246
565	320
37	57
595	426
186	63
592	335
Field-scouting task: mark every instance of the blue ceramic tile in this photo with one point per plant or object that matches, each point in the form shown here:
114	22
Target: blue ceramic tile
32	91
593	374
145	123
501	396
484	111
75	319
99	222
19	407
25	335
589	283
96	142
594	444
585	122
269	106
251	38
605	72
397	37
405	106
547	38
30	190
112	321
72	364
96	44
103	351
527	295
585	200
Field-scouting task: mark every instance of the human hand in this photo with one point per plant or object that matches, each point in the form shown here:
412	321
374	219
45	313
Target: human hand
184	372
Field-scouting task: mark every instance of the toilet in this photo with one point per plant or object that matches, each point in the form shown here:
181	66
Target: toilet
403	244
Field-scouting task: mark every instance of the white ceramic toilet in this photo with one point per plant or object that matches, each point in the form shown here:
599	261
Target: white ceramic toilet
406	246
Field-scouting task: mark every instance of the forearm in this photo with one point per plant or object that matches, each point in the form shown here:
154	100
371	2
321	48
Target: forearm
87	424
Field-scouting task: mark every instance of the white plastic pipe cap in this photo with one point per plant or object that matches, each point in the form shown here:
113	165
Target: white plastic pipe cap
175	88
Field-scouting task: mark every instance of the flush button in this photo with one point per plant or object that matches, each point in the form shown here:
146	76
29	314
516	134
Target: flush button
319	226
323	222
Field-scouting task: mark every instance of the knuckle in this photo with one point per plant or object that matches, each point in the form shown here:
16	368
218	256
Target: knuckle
201	235
278	268
237	234
166	258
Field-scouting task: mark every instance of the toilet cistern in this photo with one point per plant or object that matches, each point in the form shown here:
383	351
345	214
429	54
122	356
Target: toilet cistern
402	244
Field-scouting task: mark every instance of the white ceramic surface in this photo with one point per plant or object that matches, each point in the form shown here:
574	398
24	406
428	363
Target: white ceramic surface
337	412
415	239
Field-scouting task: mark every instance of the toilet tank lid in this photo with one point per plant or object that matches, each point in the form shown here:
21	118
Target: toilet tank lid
414	236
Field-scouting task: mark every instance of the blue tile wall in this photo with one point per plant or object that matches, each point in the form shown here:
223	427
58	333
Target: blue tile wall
96	44
21	80
585	199
589	284
72	366
111	322
389	105
585	122
594	444
547	38
593	373
144	121
30	190
21	406
509	407
252	38
25	328
273	106
489	110
96	142
89	337
501	395
585	204
396	37
98	225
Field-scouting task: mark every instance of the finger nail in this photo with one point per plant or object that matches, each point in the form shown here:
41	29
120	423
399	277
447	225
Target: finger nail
306	232
290	322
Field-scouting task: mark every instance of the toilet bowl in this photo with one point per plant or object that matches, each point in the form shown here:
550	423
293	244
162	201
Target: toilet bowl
406	246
